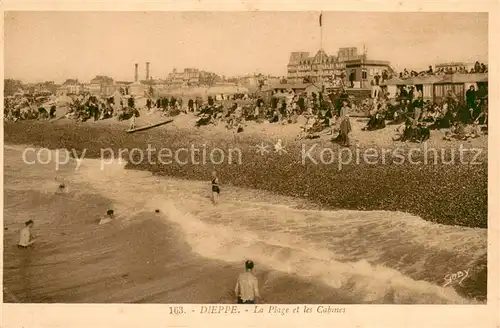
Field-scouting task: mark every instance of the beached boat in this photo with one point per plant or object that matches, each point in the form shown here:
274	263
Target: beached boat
152	125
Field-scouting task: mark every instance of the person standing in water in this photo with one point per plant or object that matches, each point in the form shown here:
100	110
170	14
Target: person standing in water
215	187
26	238
247	286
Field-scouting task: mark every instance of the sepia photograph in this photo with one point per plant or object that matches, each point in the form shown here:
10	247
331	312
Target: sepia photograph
329	158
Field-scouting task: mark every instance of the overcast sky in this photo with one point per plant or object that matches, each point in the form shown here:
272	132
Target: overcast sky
54	46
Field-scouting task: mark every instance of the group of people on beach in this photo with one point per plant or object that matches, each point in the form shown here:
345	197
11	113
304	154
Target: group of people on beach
478	68
329	112
416	118
80	107
90	107
322	112
314	111
28	107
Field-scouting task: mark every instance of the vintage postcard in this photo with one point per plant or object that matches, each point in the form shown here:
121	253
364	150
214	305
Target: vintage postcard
288	165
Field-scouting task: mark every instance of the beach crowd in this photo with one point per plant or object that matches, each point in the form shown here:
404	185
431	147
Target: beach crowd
28	107
326	111
461	69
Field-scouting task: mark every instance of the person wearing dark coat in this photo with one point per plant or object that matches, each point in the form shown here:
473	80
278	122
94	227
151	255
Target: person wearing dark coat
131	102
470	97
52	112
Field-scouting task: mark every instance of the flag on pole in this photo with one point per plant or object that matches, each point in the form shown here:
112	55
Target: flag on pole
321	19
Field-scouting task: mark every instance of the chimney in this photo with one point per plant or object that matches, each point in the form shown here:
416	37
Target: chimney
136	72
147	71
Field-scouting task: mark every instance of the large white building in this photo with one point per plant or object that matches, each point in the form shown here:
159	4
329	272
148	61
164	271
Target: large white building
304	68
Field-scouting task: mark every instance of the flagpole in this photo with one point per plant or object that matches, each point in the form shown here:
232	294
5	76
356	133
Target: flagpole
321	49
321	31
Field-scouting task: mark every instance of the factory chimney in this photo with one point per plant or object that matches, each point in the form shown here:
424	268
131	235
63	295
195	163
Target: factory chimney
147	71
136	78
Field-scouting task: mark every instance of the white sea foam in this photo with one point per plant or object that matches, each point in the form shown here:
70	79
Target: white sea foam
373	256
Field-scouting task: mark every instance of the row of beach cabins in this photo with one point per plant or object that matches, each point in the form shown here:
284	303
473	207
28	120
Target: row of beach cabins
432	88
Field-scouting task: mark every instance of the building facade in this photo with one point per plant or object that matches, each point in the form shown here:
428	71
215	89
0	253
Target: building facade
71	86
302	68
362	71
192	77
102	85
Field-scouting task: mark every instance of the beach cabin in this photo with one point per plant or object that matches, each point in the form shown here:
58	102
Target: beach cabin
122	87
265	93
252	89
285	87
425	84
137	89
459	83
185	93
224	92
393	84
196	92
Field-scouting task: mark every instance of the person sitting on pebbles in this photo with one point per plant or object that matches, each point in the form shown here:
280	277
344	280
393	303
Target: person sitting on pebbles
459	131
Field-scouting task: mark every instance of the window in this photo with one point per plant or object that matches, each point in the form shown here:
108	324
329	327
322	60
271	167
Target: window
364	74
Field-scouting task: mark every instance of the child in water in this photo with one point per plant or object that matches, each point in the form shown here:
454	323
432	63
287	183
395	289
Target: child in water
215	187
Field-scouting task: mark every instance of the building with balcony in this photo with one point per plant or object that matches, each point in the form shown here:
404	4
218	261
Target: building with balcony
362	71
348	65
302	68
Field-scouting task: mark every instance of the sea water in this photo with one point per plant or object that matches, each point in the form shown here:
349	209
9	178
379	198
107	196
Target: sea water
192	250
